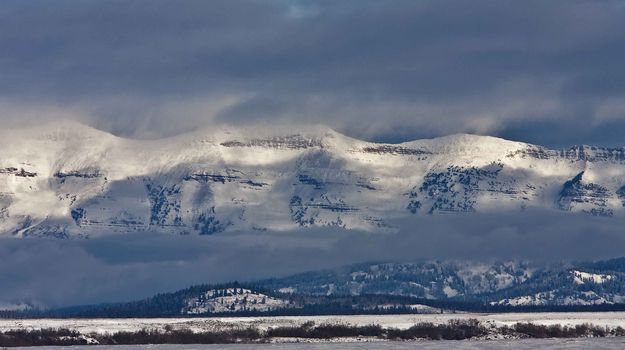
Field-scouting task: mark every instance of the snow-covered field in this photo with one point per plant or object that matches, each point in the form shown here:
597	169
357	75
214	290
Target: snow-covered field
529	344
611	319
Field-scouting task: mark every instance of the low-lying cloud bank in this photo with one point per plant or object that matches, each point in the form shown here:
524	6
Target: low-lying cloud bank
117	268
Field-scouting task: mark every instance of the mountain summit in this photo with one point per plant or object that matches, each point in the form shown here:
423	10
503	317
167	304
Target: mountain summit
67	179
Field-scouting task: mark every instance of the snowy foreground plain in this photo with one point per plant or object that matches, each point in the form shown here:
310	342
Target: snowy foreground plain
609	319
526	344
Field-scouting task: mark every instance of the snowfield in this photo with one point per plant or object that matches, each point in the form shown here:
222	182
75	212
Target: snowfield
610	319
524	344
583	277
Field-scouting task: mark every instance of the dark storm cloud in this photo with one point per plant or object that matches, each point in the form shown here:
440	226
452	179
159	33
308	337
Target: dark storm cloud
382	70
118	268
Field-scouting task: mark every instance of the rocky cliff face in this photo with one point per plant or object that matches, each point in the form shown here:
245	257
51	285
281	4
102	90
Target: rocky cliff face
68	180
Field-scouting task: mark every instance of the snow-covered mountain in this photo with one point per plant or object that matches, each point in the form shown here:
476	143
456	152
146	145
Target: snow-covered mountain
66	179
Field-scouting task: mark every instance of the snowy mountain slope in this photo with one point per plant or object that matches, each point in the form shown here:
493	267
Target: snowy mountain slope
497	283
429	279
67	179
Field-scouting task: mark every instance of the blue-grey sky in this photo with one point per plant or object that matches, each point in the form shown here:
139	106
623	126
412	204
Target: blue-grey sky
547	72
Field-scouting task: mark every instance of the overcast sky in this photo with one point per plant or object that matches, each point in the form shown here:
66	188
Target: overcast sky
547	72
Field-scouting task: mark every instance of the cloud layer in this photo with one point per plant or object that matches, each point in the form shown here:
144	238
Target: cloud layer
548	72
119	268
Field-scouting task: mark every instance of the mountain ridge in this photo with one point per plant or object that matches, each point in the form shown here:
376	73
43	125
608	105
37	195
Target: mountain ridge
70	180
